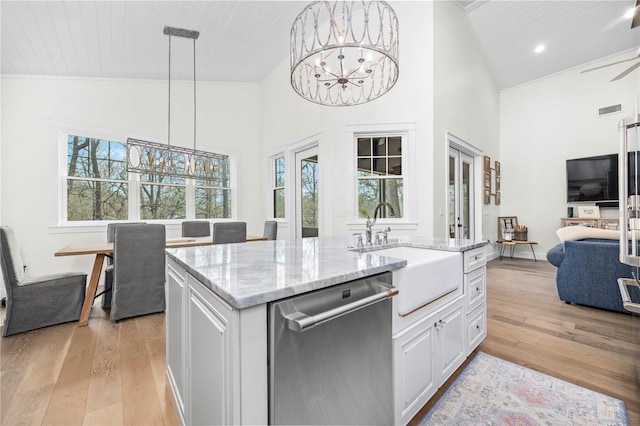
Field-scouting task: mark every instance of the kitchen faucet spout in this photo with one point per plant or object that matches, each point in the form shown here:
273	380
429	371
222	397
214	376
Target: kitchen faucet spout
370	222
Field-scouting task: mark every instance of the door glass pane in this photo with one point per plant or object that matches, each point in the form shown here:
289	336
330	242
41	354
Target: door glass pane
309	196
466	208
452	197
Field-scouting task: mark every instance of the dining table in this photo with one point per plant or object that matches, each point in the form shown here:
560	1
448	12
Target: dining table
102	249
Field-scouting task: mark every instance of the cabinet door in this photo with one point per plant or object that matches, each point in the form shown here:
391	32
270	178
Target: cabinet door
208	344
476	327
414	370
475	287
451	342
175	336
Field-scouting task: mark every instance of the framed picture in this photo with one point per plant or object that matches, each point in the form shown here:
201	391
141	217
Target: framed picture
497	198
487	163
497	167
506	227
497	183
592	212
487	180
487	196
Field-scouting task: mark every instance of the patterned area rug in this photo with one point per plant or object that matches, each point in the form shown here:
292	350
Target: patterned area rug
492	391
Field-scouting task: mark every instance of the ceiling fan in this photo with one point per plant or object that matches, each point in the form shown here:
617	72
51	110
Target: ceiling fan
635	22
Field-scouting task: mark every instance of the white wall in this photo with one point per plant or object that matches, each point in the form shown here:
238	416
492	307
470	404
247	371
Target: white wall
287	119
228	120
466	103
548	121
445	85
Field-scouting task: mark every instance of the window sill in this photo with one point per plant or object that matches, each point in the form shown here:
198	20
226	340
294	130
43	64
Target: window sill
399	226
102	227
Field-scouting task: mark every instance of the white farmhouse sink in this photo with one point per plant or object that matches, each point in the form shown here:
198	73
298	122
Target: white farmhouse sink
429	274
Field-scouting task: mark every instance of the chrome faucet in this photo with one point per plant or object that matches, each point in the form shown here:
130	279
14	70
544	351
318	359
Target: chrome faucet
370	222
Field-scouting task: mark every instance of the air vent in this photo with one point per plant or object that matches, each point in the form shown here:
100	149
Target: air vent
609	110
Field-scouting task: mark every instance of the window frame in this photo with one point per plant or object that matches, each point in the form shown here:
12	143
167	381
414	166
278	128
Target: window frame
407	133
275	187
60	132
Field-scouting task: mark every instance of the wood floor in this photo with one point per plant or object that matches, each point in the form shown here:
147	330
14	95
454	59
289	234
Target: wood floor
113	374
528	325
101	374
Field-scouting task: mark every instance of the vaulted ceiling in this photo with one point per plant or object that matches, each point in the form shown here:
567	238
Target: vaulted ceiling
242	41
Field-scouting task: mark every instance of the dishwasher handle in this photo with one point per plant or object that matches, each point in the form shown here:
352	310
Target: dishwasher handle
299	321
624	293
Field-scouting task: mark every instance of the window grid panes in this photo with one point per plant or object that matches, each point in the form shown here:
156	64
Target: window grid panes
379	175
97	186
97	182
213	196
162	197
278	188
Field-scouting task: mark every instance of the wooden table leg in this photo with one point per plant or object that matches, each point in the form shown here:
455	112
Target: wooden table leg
91	290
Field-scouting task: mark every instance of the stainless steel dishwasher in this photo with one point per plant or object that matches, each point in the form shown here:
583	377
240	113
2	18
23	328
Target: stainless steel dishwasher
330	355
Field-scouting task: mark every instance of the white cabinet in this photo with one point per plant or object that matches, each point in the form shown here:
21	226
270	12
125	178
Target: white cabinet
176	280
475	289
209	341
414	381
451	344
206	353
425	355
476	328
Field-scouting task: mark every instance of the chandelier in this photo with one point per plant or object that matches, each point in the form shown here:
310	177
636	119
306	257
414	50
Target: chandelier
344	52
174	161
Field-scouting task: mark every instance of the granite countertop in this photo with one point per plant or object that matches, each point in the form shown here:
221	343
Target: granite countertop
249	274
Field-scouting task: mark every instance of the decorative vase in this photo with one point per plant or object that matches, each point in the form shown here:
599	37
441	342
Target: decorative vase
521	235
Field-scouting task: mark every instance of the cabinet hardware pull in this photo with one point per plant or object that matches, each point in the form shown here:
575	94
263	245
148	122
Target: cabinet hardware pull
299	321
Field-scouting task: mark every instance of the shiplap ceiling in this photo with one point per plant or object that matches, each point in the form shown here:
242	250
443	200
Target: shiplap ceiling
242	41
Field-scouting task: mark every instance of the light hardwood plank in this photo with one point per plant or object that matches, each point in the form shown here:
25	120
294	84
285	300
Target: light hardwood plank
67	403
529	325
105	384
114	373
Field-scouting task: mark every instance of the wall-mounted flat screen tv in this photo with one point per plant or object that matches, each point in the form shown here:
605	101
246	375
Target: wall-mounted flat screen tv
592	178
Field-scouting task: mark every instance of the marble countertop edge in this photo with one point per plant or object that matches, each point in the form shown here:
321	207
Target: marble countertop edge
250	274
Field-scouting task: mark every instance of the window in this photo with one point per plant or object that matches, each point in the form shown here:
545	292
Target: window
379	175
213	196
278	188
98	187
97	183
162	197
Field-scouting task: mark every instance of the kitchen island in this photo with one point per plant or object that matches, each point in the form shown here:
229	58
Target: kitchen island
217	314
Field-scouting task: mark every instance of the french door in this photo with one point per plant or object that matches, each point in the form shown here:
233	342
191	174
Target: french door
307	193
460	195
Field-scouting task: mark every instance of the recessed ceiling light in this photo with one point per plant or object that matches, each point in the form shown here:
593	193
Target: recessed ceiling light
629	14
539	48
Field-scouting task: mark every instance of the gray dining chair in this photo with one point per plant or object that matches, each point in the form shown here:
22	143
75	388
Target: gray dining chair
139	271
270	230
108	272
229	232
39	301
196	228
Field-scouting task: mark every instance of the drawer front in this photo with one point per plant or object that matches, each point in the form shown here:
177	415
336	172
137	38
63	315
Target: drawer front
473	259
477	327
476	287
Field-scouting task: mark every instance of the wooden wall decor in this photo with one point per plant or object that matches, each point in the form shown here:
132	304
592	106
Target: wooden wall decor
491	181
